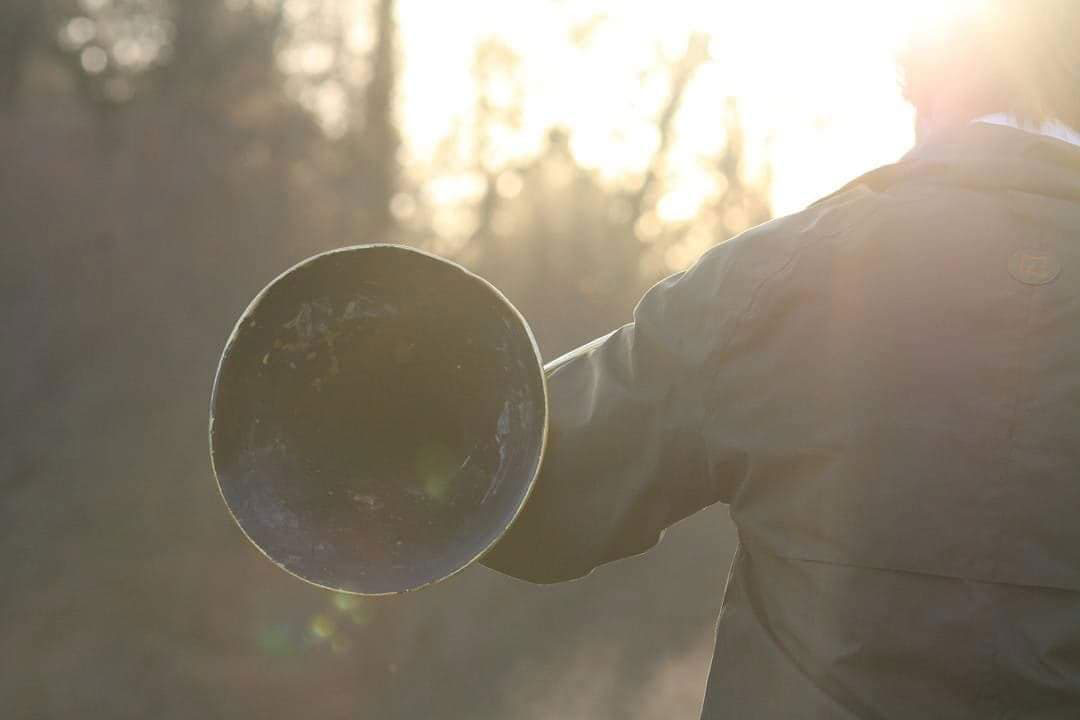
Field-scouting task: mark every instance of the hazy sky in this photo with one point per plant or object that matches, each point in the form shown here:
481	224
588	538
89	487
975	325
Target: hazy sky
816	83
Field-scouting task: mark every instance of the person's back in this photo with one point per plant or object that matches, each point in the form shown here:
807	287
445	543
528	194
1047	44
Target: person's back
885	388
905	389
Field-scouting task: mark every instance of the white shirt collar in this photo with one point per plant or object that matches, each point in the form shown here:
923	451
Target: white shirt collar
1050	128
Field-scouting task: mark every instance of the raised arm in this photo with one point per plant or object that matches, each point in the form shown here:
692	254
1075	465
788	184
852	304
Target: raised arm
626	455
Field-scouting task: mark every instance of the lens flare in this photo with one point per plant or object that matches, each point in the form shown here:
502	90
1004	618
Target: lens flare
344	602
322	626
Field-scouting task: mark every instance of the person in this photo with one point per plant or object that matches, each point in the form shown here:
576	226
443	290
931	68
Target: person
885	390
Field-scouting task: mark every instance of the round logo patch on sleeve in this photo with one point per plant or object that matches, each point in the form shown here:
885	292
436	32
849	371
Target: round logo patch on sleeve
1034	267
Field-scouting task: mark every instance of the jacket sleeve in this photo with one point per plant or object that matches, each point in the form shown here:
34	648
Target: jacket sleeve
626	455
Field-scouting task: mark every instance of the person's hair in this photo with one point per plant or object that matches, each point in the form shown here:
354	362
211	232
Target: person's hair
1015	56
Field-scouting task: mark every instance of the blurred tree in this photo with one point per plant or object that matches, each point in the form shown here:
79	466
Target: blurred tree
564	243
162	160
22	23
380	140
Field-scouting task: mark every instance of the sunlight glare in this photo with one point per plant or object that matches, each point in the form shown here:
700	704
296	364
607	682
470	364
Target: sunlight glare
815	84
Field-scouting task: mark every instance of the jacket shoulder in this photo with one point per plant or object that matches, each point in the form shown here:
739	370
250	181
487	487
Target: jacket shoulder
766	249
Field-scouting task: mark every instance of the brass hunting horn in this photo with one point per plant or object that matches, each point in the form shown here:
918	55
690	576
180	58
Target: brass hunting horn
378	419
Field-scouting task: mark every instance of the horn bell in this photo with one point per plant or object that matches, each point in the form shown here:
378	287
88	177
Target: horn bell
378	419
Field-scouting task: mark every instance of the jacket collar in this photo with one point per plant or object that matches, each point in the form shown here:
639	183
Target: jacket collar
986	156
981	155
1050	128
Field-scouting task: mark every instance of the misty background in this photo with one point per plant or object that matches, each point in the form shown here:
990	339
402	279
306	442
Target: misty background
160	162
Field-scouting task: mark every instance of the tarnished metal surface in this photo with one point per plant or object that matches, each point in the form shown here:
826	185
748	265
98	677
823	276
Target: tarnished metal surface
378	419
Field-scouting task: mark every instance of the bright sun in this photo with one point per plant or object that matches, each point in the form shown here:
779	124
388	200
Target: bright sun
815	83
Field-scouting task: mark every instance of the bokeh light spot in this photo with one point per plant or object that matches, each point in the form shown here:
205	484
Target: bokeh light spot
345	602
93	59
323	626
